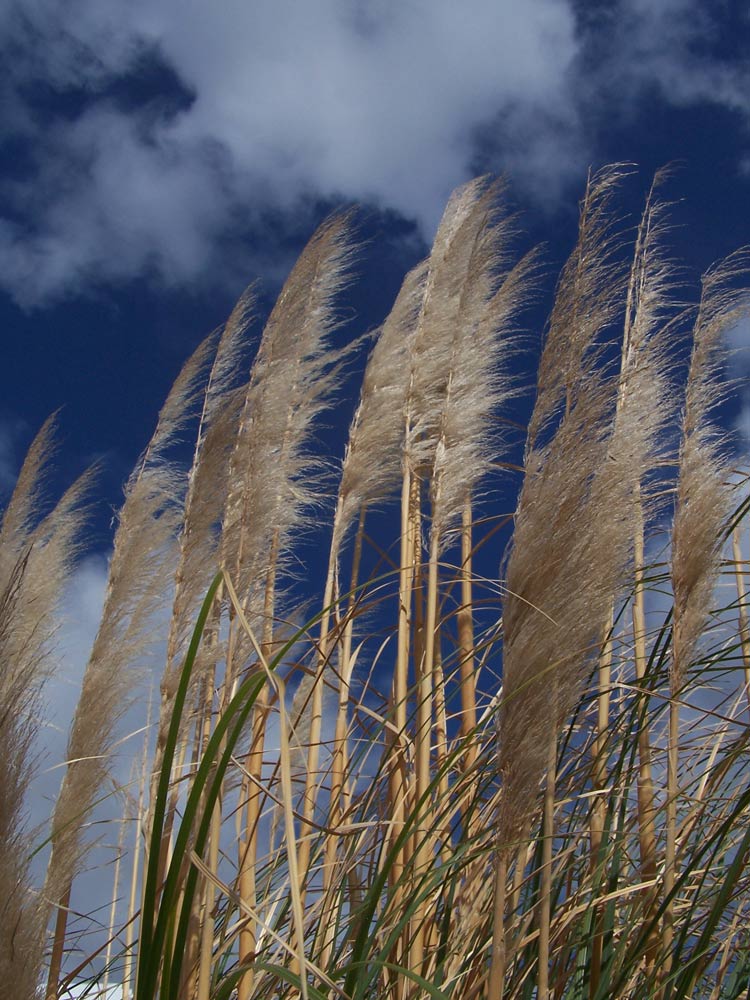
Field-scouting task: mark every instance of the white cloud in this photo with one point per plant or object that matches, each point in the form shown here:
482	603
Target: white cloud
293	102
80	612
285	103
679	46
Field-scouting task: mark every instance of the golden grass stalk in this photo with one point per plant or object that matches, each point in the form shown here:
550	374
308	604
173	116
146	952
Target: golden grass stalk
139	822
455	356
702	507
465	625
432	357
573	509
112	921
36	556
739	576
599	806
644	390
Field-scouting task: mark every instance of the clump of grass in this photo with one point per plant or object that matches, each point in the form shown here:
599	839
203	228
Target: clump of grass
438	782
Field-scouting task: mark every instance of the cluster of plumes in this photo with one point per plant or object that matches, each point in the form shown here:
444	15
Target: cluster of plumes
593	436
470	307
36	557
704	493
274	475
438	371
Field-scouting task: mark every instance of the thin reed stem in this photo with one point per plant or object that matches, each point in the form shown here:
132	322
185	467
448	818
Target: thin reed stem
744	629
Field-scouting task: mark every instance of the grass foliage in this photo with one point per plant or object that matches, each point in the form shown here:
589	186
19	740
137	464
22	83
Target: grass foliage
436	781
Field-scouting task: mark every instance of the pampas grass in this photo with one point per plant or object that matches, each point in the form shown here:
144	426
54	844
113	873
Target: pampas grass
36	557
434	781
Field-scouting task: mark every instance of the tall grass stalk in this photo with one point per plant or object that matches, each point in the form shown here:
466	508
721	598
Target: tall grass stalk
744	628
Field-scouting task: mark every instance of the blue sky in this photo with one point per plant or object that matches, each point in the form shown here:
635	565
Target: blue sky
157	156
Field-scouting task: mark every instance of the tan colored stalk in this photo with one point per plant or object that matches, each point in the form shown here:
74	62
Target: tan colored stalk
702	507
465	623
203	726
441	741
739	576
519	870
58	944
370	470
312	775
599	807
498	956
545	884
670	849
398	773
339	804
431	356
140	825
643	386
422	807
459	344
111	925
252	794
645	783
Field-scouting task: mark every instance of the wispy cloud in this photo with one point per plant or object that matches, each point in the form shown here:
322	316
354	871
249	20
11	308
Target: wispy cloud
685	51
